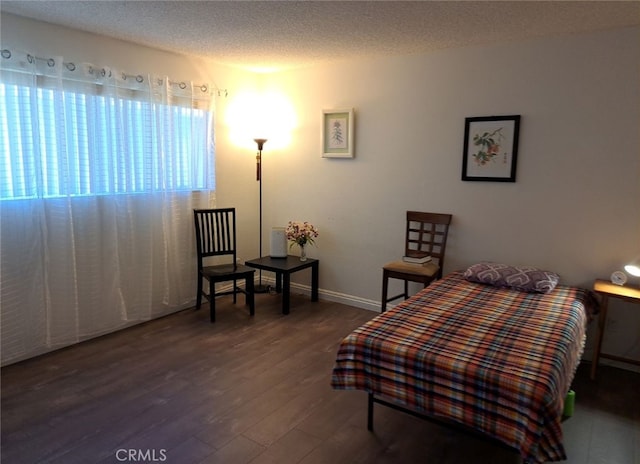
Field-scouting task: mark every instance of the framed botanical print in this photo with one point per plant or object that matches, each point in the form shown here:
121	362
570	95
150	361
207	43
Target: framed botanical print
337	133
490	148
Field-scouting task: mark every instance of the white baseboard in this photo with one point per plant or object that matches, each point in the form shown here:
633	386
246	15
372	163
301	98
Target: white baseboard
350	300
329	295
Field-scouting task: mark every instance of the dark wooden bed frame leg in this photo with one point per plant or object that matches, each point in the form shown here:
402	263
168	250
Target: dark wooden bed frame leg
370	413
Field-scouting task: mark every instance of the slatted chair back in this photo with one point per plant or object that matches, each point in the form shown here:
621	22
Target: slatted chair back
426	235
215	233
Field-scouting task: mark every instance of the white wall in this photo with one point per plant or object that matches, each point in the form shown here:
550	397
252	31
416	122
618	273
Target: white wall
574	208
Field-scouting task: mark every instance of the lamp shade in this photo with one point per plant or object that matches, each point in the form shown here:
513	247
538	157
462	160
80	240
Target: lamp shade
633	267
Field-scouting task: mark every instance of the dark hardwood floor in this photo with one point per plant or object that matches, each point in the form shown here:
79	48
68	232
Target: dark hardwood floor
256	390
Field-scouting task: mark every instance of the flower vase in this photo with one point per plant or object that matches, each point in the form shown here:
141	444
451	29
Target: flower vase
303	253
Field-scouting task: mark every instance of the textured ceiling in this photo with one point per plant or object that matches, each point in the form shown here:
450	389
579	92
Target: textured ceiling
268	35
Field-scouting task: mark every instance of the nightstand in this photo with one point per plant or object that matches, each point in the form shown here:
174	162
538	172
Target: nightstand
607	290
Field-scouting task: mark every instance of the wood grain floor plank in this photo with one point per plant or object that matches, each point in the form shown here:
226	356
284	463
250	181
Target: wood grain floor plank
240	450
290	448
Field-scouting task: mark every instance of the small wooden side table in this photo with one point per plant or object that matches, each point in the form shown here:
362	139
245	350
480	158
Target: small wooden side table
283	268
607	290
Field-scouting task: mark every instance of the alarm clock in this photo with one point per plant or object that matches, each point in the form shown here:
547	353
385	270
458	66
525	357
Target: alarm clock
619	278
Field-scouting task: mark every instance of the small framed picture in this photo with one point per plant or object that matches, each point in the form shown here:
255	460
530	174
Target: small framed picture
490	148
337	133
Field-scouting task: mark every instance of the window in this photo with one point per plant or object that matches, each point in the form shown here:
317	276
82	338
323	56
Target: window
57	142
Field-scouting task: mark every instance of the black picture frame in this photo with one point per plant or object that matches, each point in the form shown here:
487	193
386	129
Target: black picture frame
490	148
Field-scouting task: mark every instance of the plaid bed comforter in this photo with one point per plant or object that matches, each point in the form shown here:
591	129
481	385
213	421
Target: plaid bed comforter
496	360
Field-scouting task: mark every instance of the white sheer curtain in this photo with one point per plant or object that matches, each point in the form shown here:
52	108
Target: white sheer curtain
99	175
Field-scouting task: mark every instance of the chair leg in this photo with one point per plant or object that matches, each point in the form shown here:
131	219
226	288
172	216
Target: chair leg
249	294
199	294
235	291
385	286
212	305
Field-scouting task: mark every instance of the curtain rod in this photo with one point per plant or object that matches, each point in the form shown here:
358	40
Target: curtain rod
104	72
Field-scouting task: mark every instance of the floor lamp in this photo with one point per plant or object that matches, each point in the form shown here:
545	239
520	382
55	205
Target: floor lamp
260	288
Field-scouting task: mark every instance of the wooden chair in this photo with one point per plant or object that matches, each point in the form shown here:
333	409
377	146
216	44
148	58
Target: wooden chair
426	235
216	236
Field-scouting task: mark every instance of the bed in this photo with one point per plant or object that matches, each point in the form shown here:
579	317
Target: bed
490	359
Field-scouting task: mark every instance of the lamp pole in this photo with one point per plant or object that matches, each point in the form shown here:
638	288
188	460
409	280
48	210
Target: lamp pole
260	288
